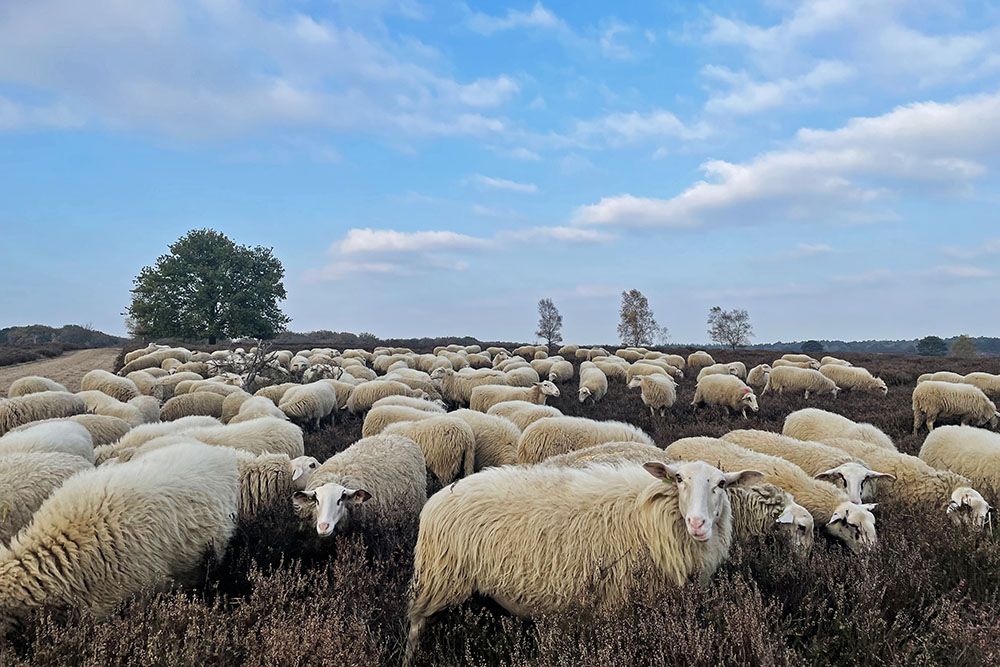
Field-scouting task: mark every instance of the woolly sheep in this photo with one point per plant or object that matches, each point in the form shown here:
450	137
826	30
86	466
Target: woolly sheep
144	381
917	482
675	360
613	371
561	371
264	435
343	391
971	452
727	391
543	366
102	428
366	393
135	354
831	361
27	479
558	435
784	363
165	386
155	359
630	356
256	407
571	532
457	387
381	416
275	392
216	387
638	369
35	407
933	400
854	378
138	436
593	383
521	377
32	384
817	459
411	402
522	413
100	403
486	396
658	392
54	436
941	376
267	480
987	382
377	483
165	512
806	380
757	377
820	426
231	404
676	373
187	405
698	360
852	523
310	404
448	445
799	359
496	438
717	369
568	349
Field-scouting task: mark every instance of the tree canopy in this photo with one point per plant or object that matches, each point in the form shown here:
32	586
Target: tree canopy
636	325
932	346
549	322
729	327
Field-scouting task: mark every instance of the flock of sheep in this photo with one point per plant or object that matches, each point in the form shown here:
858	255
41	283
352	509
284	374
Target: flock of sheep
126	485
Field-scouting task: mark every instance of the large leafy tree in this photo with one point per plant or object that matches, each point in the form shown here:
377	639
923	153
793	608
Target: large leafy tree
932	346
207	286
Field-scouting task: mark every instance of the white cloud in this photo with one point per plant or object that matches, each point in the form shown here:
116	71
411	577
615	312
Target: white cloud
503	184
986	248
567	234
961	272
612	44
15	116
537	18
391	241
628	128
809	250
747	96
829	175
522	153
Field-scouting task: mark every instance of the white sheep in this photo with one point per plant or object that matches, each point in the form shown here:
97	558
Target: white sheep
32	384
614	371
231	404
658	392
989	383
800	359
828	361
206	404
310	404
820	426
727	391
381	416
757	377
698	360
486	396
593	383
810	382
718	369
558	435
66	437
27	479
941	376
410	402
103	429
256	407
522	413
366	393
264	435
560	371
115	386
448	445
35	407
854	378
100	403
971	452
275	392
496	438
933	400
140	435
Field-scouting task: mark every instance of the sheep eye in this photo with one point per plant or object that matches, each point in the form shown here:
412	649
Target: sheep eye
722	483
680	479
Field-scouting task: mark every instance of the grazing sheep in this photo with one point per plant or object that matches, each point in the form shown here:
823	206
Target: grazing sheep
522	413
310	404
486	396
165	386
202	403
381	416
52	436
987	382
674	372
410	402
971	452
521	377
852	523
800	359
639	369
39	406
806	380
933	400
830	361
343	391
543	366
103	429
256	407
115	386
593	382
138	436
155	359
32	384
231	404
267	480
163	513
941	376
568	349
854	378
275	392
216	387
817	459
718	369
457	387
570	534
378	483
262	435
698	360
366	393
496	438
560	371
147	407
614	371
629	355
785	363
448	445
658	392
100	403
558	435
757	377
27	479
727	391
820	426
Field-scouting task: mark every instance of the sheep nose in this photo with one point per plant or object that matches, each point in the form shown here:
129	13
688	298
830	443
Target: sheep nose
696	523
324	527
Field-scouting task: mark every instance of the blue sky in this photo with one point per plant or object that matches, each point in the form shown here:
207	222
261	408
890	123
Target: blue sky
434	168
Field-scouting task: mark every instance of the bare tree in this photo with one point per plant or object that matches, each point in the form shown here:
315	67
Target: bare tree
637	325
729	327
549	322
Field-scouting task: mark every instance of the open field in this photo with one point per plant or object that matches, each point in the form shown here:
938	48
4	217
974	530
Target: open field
929	592
66	369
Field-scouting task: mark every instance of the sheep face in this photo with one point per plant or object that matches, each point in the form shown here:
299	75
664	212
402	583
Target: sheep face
854	524
851	477
880	384
749	400
797	524
635	382
967	506
701	492
329	505
584	394
548	388
302	468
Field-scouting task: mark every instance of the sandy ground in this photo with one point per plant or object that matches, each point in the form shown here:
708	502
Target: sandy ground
66	370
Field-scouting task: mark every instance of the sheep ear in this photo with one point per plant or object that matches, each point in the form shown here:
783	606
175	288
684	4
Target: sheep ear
786	515
742	477
882	475
304	499
659	470
830	475
869	506
358	496
297	472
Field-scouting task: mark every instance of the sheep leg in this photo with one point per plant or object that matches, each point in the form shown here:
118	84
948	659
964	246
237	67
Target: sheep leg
918	419
930	425
652	412
807	394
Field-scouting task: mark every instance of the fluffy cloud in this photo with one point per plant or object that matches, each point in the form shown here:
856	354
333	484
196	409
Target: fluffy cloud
537	18
503	184
390	241
747	96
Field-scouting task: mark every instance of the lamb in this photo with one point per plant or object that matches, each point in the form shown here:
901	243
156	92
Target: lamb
971	452
933	400
486	396
103	429
35	407
854	378
593	383
989	383
256	407
142	434
381	416
718	369
698	360
560	371
852	523
558	435
917	482
115	386
828	361
378	483
310	404
448	445
186	405
806	380
757	377
496	438
32	384
164	512
410	402
366	393
658	392
55	436
819	460
726	390
27	479
572	532
820	426
522	413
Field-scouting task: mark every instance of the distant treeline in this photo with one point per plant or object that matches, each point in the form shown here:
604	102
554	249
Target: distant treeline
984	345
71	336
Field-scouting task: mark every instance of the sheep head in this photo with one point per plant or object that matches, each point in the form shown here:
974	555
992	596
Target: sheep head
797	523
852	477
968	506
854	524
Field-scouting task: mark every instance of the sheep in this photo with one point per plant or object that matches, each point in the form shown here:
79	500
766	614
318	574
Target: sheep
698	360
264	435
727	391
135	354
143	433
410	402
165	386
428	388
256	407
831	361
276	391
852	523
522	413
309	404
675	360
366	393
570	533
917	482
154	359
757	377
568	349
343	391
933	400
820	425
186	405
941	376
987	382
717	369
630	356
378	483
231	404
561	371
643	369
35	407
381	416
27	479
593	383
269	479
971	452
448	445
51	436
614	371
457	387
486	396
100	403
658	392
817	459
854	378
103	429
558	435
115	386
799	358
216	387
32	384
162	513
806	380
496	438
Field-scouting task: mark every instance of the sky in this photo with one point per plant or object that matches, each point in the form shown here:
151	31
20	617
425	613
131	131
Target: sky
435	168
